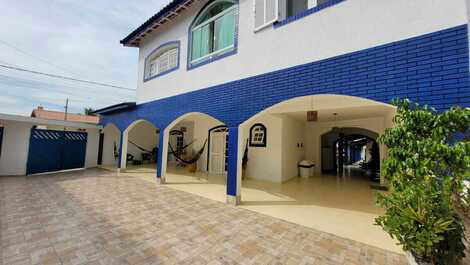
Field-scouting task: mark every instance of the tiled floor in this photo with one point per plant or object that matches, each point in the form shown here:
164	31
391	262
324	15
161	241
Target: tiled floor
323	202
97	217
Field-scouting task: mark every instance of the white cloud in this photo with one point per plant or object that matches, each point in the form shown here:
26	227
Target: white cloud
81	38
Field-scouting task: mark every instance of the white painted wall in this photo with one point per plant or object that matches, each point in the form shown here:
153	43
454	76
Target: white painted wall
293	147
111	139
92	146
265	163
349	26
15	147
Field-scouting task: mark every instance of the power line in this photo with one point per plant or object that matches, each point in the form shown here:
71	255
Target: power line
86	99
63	77
31	82
35	57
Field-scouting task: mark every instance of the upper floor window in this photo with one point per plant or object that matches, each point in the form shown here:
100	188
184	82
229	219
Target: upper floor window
269	12
162	60
213	31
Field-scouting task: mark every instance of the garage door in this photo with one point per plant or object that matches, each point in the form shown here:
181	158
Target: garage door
51	150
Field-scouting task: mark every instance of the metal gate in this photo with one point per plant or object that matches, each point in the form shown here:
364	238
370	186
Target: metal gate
51	150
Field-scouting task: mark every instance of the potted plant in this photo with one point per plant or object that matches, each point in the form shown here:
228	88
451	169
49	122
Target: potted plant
426	178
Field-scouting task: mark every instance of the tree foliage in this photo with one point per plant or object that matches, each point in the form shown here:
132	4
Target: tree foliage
426	176
89	111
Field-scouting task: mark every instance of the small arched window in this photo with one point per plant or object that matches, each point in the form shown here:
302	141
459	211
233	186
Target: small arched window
162	60
213	31
258	135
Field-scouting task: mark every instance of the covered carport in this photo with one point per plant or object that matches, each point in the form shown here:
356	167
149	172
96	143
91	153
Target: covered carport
31	145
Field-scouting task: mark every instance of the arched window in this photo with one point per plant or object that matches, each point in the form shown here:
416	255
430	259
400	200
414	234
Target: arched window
213	31
258	135
162	60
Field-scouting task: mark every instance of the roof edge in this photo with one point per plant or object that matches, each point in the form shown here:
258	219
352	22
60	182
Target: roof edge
171	10
116	108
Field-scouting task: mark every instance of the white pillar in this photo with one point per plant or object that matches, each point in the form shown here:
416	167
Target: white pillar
125	137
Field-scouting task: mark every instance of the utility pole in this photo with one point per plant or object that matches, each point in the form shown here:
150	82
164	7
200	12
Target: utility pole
66	110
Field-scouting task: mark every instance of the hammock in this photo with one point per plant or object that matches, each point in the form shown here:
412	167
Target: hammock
191	161
141	148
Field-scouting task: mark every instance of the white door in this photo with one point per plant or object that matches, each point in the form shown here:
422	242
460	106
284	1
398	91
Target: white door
218	152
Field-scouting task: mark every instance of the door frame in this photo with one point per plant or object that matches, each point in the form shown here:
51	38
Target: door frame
209	144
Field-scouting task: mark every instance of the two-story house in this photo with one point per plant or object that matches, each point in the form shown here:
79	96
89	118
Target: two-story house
280	81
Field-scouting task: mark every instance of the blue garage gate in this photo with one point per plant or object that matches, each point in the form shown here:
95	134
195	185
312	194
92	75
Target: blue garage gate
51	150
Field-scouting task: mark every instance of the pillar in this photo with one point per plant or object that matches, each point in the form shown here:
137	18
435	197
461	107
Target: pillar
234	170
121	136
123	150
160	152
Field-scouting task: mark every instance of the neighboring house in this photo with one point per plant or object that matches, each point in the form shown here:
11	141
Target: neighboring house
29	146
41	113
288	80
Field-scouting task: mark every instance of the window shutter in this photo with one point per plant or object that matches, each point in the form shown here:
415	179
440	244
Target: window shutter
173	58
266	13
163	63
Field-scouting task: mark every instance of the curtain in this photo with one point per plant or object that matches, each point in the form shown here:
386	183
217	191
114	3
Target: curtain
200	42
224	31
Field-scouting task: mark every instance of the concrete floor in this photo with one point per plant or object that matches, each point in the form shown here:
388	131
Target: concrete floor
97	217
342	206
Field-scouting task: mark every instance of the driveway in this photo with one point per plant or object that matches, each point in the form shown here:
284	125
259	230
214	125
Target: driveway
97	217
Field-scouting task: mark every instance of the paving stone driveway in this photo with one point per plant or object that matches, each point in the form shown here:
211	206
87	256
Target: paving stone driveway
96	217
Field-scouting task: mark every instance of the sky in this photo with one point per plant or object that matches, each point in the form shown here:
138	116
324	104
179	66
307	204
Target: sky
78	39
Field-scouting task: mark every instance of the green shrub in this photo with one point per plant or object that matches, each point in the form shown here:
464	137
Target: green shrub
426	177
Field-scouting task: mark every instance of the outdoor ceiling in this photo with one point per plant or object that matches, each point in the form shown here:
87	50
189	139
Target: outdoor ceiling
350	113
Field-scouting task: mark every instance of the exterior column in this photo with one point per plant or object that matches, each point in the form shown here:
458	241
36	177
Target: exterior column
161	143
123	150
234	170
121	136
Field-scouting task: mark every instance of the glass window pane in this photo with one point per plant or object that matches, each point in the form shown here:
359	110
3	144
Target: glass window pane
205	40
196	44
224	31
213	11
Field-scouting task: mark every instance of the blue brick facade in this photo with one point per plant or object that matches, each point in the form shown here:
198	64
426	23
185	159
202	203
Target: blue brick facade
430	69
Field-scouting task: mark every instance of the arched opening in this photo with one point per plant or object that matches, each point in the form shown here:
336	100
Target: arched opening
140	147
195	151
351	152
110	138
286	172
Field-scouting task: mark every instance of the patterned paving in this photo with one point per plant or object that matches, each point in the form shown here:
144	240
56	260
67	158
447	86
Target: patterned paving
96	217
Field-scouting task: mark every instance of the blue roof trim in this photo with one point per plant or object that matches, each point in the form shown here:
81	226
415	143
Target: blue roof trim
307	12
116	108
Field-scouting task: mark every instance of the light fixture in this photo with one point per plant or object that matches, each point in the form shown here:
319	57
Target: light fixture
312	115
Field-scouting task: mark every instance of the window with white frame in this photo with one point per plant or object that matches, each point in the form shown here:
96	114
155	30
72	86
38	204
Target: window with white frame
213	31
266	13
162	60
258	135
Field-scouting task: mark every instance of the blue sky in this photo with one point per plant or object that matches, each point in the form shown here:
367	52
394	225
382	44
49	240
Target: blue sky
73	38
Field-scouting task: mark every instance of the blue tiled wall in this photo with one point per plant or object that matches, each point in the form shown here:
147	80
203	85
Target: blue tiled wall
431	69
